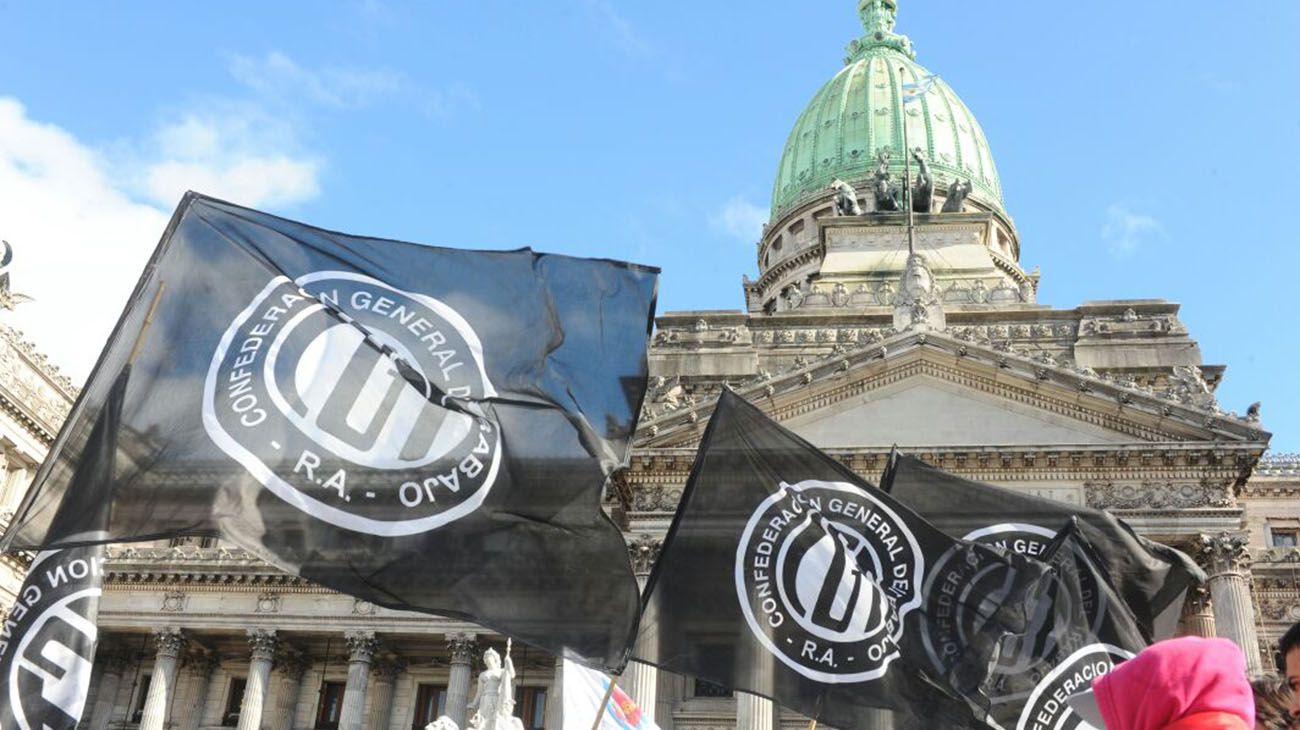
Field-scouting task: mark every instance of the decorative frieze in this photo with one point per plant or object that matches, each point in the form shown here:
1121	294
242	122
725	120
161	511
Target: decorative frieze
173	602
1205	493
268	602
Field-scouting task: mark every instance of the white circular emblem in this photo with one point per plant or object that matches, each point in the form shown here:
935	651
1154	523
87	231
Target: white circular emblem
825	574
1047	706
954	619
330	391
52	641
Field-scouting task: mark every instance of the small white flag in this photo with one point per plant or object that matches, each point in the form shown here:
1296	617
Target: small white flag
583	691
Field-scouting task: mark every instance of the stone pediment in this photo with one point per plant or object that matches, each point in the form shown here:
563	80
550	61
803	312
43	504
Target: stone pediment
932	389
925	410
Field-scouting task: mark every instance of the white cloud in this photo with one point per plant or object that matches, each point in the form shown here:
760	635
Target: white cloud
619	28
278	80
1126	231
277	74
740	219
84	220
230	151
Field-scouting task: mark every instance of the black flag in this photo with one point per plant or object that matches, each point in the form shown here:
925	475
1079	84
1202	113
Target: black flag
47	641
1153	579
1082	629
425	428
786	575
47	645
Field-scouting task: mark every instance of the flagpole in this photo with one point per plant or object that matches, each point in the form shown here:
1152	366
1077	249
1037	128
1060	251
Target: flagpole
148	321
907	167
604	702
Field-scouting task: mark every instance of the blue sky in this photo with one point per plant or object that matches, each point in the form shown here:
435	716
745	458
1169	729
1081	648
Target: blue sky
1144	148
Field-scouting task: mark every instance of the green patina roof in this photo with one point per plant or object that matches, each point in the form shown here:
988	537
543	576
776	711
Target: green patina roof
859	112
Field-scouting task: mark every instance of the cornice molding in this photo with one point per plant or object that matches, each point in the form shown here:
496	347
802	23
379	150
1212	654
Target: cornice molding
1038	381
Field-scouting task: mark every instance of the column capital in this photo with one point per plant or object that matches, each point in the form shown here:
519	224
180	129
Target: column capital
291	662
1225	552
644	551
170	640
1198	601
201	660
263	643
463	647
361	645
387	668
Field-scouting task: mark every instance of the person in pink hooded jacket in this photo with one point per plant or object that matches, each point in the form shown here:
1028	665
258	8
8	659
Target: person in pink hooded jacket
1188	683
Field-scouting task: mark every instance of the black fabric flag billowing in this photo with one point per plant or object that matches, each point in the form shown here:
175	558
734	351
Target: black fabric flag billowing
1152	579
786	575
47	645
47	642
1082	630
426	428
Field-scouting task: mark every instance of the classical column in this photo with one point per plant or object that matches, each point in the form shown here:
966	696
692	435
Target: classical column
386	671
641	681
1198	616
162	685
292	665
361	650
262	642
878	719
201	664
113	660
1227	561
463	647
754	712
555	699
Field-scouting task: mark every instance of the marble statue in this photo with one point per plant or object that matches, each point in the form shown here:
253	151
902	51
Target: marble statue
923	189
493	705
846	198
8	297
956	200
442	723
886	195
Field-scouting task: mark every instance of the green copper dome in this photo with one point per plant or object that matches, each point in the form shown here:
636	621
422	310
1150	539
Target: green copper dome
859	112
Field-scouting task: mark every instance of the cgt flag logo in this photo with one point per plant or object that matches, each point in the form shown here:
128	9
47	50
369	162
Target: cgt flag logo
1048	631
1046	708
47	643
332	391
825	574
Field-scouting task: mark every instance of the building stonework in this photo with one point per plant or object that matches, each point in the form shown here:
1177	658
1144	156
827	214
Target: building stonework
846	339
34	400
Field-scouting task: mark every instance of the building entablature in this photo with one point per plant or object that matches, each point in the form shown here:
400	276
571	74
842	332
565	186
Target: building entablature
32	390
1140	344
1186	411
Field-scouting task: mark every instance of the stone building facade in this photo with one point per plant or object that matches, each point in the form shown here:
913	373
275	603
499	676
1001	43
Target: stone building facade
34	400
847	339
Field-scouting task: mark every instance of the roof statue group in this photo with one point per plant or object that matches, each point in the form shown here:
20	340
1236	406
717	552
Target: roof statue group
889	196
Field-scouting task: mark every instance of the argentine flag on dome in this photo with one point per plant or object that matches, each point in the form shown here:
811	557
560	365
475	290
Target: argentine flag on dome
914	91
